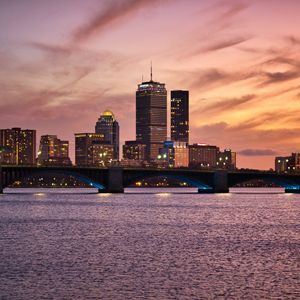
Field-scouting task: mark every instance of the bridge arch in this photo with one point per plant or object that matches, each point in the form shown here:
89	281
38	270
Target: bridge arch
281	181
18	176
201	185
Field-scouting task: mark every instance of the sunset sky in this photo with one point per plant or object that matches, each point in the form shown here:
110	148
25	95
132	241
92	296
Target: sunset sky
63	62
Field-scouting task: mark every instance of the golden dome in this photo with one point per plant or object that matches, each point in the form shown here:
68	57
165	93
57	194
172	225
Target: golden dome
108	113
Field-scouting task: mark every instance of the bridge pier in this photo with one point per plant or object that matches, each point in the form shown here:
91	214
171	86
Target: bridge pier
114	181
221	182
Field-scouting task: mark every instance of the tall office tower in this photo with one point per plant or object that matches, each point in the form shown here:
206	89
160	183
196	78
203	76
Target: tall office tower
180	116
53	151
109	127
21	144
151	116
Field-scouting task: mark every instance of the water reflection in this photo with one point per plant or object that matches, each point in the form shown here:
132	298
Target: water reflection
192	246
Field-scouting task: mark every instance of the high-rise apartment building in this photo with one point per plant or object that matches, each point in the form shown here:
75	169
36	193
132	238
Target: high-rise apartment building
151	116
180	116
21	144
53	151
109	127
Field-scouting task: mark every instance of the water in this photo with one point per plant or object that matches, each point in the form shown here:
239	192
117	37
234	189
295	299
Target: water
149	246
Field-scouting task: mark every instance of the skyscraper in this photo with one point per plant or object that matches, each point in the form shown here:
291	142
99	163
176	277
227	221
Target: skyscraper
180	116
21	144
151	116
109	127
53	151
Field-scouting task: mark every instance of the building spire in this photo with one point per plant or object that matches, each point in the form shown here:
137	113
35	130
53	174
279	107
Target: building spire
151	71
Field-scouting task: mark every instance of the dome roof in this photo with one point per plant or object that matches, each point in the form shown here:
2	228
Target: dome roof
108	113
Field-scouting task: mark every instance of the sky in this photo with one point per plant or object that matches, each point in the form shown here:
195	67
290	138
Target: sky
63	62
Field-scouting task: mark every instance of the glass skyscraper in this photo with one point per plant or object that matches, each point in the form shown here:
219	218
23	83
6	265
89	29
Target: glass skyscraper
151	116
180	116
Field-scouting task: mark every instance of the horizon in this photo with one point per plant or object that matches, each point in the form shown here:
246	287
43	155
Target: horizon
59	59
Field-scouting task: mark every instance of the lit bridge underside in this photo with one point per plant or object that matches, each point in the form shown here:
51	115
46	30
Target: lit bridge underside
114	180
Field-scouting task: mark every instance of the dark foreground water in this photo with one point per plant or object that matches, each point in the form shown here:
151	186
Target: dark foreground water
149	246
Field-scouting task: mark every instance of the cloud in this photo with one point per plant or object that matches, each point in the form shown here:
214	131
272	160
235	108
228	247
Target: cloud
228	104
113	12
257	152
220	45
276	77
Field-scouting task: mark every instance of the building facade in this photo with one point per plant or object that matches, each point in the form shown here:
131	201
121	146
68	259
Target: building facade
288	164
109	127
102	154
180	116
132	150
226	160
174	155
202	156
151	117
19	145
92	150
53	152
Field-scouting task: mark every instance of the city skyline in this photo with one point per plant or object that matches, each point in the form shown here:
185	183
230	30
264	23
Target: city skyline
63	64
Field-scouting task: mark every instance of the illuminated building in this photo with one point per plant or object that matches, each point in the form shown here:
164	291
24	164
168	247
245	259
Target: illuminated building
91	149
175	154
151	116
21	144
84	149
6	156
226	160
102	154
203	156
180	116
109	127
53	151
288	164
132	150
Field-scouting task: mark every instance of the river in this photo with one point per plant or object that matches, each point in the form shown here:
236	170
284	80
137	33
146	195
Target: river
149	244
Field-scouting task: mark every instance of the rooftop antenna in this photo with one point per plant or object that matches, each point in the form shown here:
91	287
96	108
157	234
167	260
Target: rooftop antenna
151	71
142	78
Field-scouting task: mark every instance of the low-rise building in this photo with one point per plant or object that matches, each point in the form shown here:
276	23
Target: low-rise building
288	164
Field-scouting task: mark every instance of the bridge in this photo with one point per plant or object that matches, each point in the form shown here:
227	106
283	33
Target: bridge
114	180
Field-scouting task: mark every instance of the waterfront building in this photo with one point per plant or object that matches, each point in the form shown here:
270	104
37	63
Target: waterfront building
19	145
226	160
180	116
174	154
6	156
102	154
203	156
151	116
84	147
53	152
288	164
109	127
133	150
